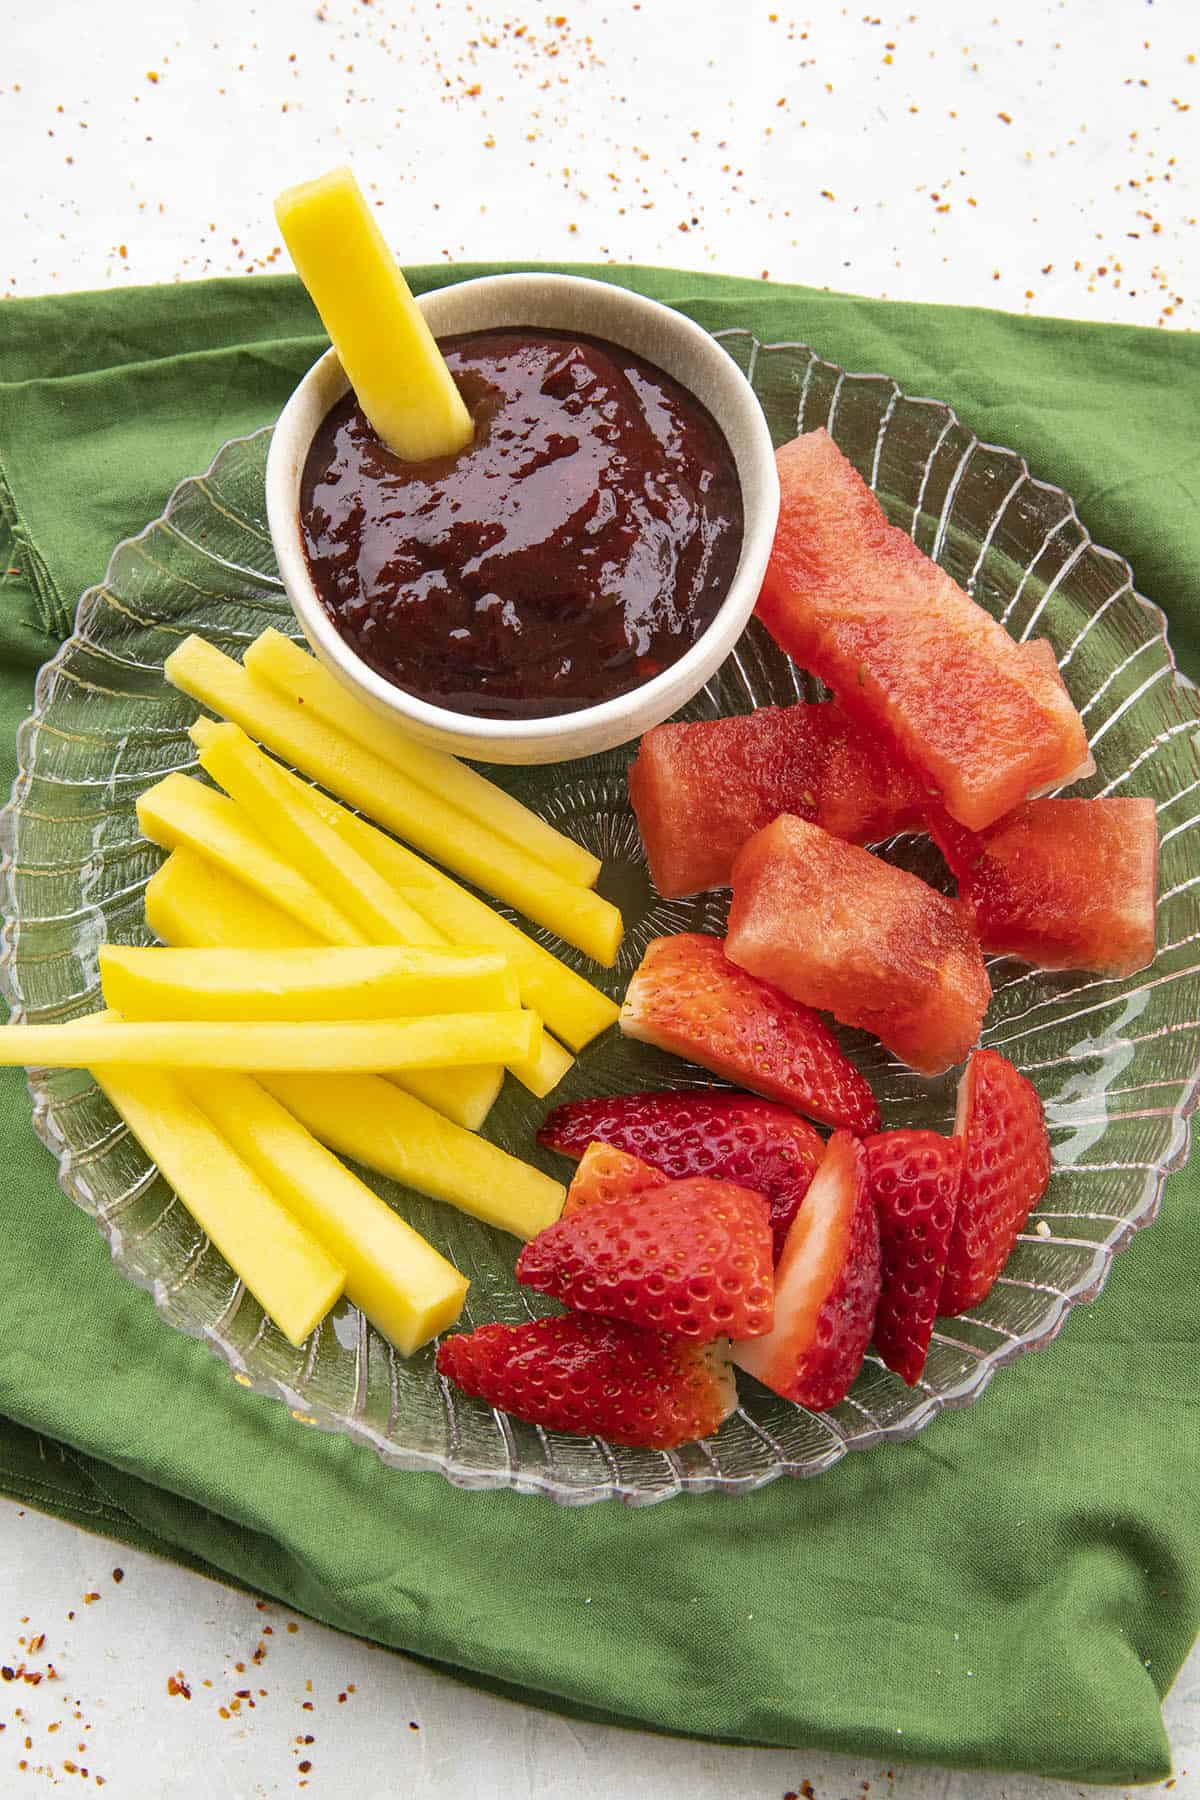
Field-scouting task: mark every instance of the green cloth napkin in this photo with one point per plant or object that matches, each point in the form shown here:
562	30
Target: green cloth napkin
1014	1589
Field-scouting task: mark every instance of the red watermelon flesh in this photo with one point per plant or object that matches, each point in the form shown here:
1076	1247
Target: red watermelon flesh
607	1173
729	1137
827	1287
839	929
1063	884
851	598
689	999
700	790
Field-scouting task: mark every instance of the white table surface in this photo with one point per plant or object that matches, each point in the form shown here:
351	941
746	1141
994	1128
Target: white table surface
1038	155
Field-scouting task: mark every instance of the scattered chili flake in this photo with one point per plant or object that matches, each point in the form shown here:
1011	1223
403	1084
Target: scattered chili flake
292	1626
1005	116
55	1727
413	1726
304	1767
306	1706
341	1699
88	1598
152	75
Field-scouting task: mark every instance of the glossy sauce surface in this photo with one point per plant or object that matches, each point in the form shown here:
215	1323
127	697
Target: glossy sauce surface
579	545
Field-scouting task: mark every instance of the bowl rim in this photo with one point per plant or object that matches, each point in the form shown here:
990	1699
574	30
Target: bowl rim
604	721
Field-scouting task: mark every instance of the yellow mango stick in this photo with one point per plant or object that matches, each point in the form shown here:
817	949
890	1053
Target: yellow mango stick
330	983
278	808
404	1286
293	1278
300	678
378	1126
572	1008
388	351
381	914
193	904
365	780
353	1045
179	810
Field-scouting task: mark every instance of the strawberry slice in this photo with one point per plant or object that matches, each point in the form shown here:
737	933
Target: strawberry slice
826	1287
607	1174
728	1136
595	1376
1006	1165
692	1257
688	998
915	1178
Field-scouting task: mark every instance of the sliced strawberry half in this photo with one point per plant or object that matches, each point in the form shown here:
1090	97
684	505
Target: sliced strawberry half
605	1174
688	998
826	1287
595	1376
915	1178
729	1137
692	1257
1006	1165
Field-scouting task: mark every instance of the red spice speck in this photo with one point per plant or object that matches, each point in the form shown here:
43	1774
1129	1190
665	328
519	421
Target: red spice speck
89	1598
304	1767
119	1574
292	1626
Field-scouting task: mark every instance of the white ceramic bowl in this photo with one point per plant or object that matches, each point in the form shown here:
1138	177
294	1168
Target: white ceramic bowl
565	303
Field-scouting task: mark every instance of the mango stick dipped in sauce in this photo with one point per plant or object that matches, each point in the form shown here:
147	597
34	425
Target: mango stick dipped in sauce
387	350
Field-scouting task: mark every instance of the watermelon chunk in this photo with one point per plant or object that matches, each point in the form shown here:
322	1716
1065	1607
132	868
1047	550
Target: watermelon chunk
688	998
853	599
827	1287
728	1136
1063	884
700	790
836	928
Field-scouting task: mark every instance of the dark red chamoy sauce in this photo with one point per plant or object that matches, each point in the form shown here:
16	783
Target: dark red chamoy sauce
577	547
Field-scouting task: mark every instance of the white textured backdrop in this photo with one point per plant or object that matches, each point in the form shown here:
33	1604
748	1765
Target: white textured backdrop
1037	155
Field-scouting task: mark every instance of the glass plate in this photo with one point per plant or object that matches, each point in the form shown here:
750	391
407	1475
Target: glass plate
1115	1061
